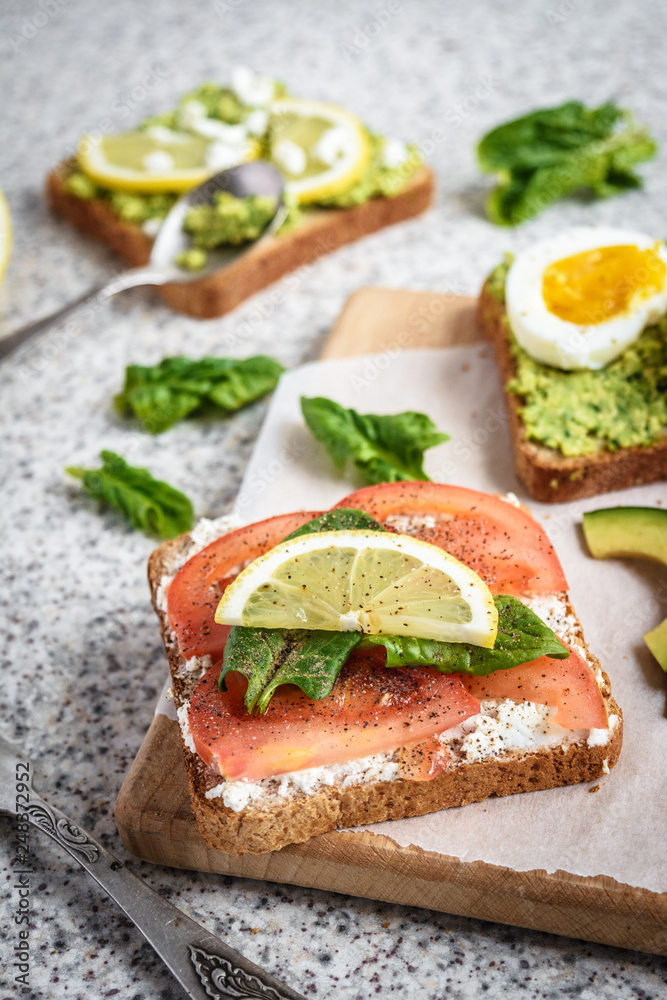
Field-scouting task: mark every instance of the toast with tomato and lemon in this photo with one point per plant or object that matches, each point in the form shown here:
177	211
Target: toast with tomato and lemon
578	323
410	650
342	182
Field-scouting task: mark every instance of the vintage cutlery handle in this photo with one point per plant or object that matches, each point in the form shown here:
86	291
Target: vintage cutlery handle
203	965
126	279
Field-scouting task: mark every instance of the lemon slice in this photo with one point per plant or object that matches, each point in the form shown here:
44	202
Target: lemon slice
5	235
321	149
150	163
365	581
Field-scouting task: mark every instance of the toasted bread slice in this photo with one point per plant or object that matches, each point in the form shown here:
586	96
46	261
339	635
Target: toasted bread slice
547	474
323	231
277	819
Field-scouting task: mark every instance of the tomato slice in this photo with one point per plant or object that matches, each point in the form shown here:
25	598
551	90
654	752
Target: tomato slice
371	710
569	685
502	543
196	589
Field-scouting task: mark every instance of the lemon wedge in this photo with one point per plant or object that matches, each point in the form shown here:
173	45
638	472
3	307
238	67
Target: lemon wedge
5	235
365	581
158	160
321	149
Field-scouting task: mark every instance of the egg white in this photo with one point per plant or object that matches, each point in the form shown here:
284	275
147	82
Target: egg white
557	342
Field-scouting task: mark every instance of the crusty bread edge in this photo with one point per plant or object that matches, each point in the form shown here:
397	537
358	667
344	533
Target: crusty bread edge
257	829
548	475
326	230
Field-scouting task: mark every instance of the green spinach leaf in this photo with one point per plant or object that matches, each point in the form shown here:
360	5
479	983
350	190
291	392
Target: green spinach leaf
148	504
270	657
161	395
522	637
553	152
385	449
341	519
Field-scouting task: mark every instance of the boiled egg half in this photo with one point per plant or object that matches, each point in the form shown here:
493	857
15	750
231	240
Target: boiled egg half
579	299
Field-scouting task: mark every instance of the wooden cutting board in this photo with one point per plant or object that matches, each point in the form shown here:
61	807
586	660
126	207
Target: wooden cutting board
153	808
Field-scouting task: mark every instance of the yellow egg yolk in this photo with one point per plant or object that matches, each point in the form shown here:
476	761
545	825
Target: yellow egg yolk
596	285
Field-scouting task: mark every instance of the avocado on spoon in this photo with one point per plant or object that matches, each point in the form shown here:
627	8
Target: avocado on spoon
254	178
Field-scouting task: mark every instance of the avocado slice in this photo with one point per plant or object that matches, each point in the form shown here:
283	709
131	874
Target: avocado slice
656	640
639	532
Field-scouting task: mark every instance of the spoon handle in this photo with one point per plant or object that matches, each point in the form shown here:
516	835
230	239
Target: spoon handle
96	296
203	965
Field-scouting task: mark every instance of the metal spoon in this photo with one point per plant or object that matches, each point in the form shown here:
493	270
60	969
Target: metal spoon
204	965
255	177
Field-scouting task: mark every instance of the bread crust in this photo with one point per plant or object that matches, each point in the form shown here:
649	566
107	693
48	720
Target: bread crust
219	293
548	475
263	827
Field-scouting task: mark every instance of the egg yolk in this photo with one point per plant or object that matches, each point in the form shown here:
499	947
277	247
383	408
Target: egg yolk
595	285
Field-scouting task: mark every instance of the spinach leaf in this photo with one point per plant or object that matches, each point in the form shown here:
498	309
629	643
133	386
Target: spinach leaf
341	519
270	657
161	395
148	504
552	152
385	449
522	637
311	659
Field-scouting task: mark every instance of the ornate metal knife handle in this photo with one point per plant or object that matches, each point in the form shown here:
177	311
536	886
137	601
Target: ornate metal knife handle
203	965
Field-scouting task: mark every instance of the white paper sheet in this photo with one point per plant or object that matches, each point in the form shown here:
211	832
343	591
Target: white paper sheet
620	829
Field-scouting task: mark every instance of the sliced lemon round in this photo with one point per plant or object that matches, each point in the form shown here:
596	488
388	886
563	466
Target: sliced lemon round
321	149
365	581
158	160
5	235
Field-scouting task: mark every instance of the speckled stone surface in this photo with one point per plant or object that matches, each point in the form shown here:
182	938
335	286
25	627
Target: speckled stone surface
82	664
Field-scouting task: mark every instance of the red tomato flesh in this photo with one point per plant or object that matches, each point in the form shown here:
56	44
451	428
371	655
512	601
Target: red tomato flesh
195	591
371	710
500	542
569	685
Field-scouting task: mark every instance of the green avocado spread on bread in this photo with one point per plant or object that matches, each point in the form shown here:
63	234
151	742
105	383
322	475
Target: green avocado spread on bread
582	412
391	167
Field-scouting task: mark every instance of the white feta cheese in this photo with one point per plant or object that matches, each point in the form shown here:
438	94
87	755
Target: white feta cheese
208	530
237	795
158	162
191	113
184	723
252	88
290	157
598	737
161	593
221	154
161	133
212	128
257	122
504	724
394	154
332	145
410	524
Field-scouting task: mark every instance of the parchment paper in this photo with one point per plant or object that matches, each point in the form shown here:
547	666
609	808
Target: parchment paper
618	830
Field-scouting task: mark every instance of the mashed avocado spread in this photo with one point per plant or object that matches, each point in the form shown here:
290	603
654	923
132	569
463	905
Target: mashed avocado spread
581	412
386	175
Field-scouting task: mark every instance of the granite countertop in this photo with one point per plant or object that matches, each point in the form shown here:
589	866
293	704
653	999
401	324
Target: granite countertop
82	663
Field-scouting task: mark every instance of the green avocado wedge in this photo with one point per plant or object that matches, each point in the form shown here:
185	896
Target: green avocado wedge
635	532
